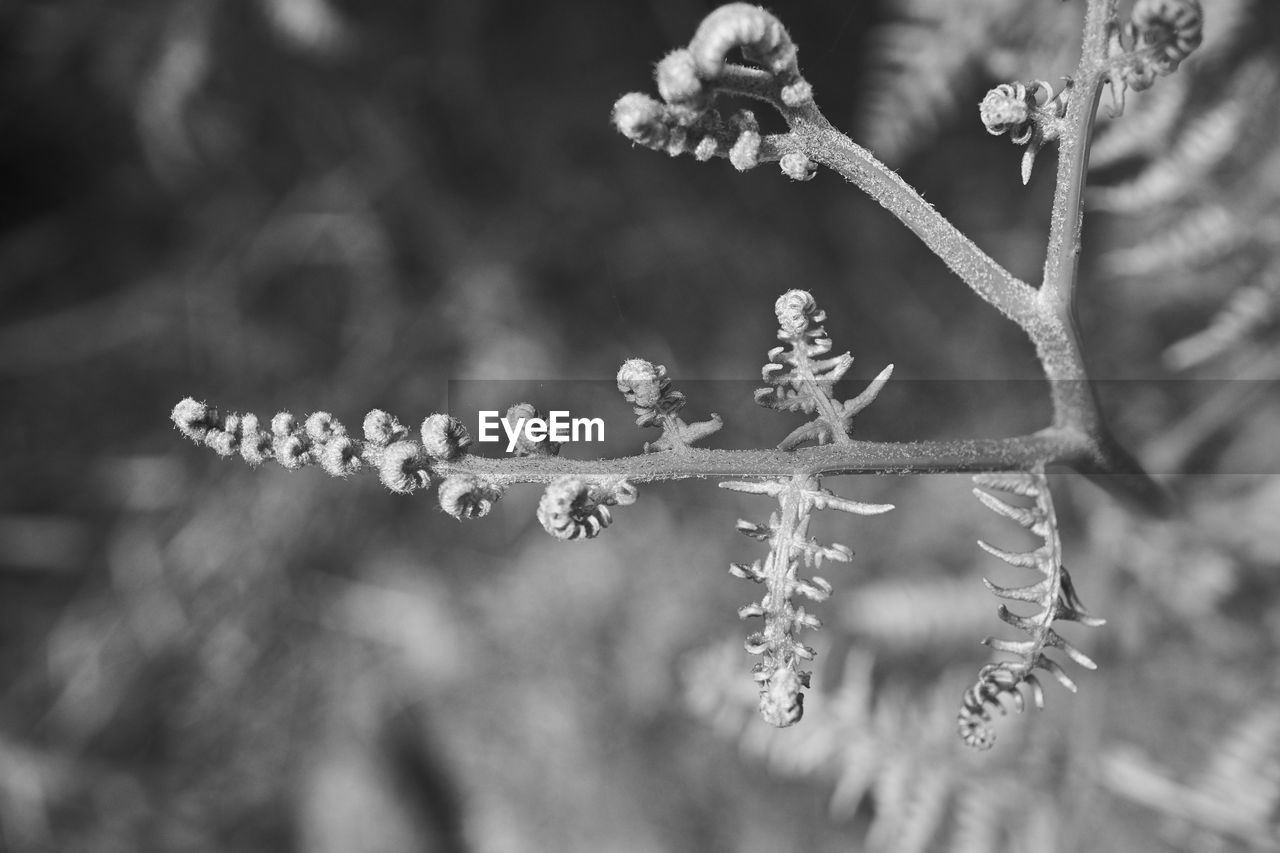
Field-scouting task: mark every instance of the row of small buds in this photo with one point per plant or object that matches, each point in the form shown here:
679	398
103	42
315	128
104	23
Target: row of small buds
320	439
573	509
402	464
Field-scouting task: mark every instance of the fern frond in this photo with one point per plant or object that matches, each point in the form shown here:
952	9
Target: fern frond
1204	144
802	380
1144	128
1225	24
1237	797
921	799
1053	595
1199	237
1252	309
779	675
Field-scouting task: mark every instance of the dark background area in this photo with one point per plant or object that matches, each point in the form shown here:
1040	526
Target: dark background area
302	205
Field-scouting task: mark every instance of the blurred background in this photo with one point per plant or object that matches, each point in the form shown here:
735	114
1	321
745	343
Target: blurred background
323	204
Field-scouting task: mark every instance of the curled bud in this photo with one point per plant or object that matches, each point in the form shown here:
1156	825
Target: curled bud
642	383
381	429
291	446
643	120
224	442
291	451
283	424
761	36
571	509
1177	26
321	427
340	457
793	310
1006	108
798	167
463	496
797	94
444	437
401	467
193	419
677	80
255	444
781	702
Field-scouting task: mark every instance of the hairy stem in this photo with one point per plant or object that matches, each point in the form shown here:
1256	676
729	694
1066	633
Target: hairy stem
817	138
1055	332
857	457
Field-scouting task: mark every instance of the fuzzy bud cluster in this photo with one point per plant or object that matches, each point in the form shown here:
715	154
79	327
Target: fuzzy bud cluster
689	79
1007	109
401	463
1029	112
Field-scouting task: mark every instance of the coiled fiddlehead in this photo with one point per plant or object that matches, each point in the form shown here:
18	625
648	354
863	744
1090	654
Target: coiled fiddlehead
573	509
1029	112
1152	43
800	380
1053	594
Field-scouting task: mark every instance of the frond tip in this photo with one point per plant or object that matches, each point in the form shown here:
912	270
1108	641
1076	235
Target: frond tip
1053	594
802	381
778	675
648	389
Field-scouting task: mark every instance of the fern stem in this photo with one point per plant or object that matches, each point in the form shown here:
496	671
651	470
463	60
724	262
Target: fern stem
857	457
1055	331
1057	343
1062	261
816	137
